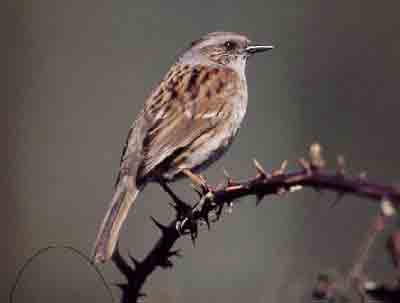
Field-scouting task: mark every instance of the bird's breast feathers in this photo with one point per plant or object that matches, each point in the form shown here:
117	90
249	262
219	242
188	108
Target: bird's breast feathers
192	115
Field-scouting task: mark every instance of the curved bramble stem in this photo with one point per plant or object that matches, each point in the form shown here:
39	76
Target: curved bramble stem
311	174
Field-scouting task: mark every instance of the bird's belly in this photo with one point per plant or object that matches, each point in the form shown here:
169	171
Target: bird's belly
215	148
202	152
209	146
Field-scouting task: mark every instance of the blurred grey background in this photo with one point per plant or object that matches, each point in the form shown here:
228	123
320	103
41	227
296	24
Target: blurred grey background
75	73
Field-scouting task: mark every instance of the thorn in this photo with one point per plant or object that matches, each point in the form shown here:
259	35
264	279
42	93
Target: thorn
260	170
218	212
221	185
179	204
306	166
175	253
181	208
341	165
281	191
159	225
387	207
281	169
226	174
193	233
141	295
259	197
315	154
229	210
134	261
234	187
294	188
370	285
165	263
122	286
229	179
206	220
284	165
177	209
362	176
335	202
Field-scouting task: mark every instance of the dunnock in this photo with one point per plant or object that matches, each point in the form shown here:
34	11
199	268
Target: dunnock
187	123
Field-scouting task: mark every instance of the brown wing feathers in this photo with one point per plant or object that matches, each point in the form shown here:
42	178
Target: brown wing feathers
203	92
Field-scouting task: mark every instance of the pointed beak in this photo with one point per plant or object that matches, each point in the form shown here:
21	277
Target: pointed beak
252	49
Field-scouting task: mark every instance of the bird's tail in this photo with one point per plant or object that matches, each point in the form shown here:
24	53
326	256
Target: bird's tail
124	196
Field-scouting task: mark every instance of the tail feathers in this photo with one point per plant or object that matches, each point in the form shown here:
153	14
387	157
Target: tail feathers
123	198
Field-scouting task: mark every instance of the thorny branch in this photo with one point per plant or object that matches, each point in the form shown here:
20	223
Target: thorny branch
312	174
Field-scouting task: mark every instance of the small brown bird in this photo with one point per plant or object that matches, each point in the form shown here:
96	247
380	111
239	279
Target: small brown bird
187	123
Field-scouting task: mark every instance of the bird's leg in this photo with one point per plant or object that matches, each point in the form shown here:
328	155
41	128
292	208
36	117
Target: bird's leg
206	196
197	180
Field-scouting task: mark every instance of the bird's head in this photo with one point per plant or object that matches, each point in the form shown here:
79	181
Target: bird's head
222	48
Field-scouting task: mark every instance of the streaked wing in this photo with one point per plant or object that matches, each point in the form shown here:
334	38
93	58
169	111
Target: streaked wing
187	103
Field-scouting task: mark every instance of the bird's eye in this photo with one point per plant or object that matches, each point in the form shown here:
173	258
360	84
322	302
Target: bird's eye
229	45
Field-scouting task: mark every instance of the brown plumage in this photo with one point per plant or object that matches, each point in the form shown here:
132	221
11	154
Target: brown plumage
187	123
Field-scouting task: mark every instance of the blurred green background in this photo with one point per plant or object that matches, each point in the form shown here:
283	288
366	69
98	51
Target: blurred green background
74	76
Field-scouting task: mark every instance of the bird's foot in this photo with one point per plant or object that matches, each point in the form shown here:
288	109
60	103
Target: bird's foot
203	207
198	181
188	226
188	218
199	214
